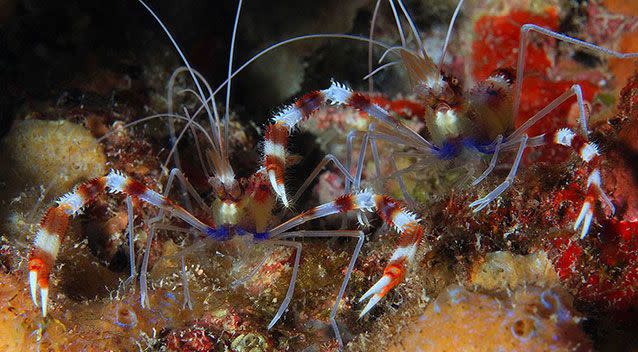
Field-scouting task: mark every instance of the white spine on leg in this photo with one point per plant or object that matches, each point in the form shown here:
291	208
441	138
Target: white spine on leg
364	200
73	203
402	219
115	181
337	93
564	136
588	152
289	116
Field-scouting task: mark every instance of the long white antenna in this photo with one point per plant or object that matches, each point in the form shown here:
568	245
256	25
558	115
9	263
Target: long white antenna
399	27
181	54
449	33
230	72
375	13
413	27
292	40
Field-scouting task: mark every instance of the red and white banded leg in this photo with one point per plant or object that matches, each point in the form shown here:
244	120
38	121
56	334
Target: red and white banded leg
588	152
276	139
50	235
54	224
284	122
393	213
410	231
117	182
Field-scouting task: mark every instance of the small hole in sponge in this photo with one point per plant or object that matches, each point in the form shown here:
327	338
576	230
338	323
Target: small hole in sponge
125	317
523	328
550	301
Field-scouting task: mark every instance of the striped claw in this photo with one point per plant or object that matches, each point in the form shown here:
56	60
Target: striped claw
42	283
411	232
275	158
392	213
39	280
33	283
584	218
587	211
276	138
44	292
594	191
44	295
375	292
55	223
50	234
45	249
589	153
278	187
392	276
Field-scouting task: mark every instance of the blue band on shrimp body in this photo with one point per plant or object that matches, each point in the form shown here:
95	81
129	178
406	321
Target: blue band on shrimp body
219	234
450	149
257	236
485	148
261	236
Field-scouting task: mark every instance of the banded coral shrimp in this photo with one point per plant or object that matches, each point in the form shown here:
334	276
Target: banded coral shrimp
244	207
464	124
299	110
